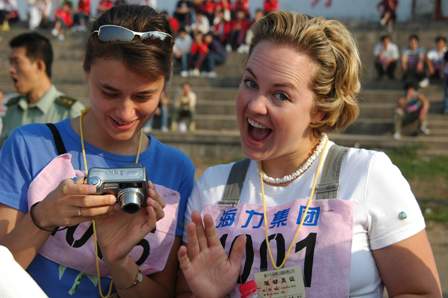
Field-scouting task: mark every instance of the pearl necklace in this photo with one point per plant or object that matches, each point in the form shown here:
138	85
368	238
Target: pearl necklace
297	173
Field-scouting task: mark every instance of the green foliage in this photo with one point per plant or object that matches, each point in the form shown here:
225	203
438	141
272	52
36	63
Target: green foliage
428	176
413	165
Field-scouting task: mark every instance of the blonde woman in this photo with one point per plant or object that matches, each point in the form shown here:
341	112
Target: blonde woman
302	216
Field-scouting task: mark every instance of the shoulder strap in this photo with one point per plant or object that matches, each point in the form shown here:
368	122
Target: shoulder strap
326	189
329	179
234	184
65	101
60	148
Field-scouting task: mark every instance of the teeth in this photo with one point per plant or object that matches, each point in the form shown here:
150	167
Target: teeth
255	124
121	123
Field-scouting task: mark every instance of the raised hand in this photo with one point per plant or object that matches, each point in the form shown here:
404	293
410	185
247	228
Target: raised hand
207	269
119	231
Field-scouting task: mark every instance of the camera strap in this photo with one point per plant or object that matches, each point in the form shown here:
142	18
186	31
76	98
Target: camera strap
60	147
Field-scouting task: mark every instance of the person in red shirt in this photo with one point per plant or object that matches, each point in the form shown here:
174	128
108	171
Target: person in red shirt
199	52
240	5
83	14
208	8
224	6
270	5
222	27
240	26
64	20
172	21
103	6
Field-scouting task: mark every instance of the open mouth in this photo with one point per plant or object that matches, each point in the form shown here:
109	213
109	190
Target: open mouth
123	125
258	131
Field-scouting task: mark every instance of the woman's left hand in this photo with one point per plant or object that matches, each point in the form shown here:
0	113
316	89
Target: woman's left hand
119	232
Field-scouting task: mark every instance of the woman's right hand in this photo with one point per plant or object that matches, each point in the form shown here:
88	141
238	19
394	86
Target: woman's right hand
207	269
71	203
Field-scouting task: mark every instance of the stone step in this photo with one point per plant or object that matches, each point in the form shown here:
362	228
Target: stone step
439	128
203	144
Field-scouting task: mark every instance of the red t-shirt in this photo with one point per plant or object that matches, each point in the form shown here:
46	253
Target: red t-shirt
199	48
65	16
270	5
84	6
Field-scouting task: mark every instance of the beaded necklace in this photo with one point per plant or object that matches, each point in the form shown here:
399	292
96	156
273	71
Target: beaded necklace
297	173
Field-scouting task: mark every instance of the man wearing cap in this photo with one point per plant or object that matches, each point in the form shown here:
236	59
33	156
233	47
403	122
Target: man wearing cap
38	100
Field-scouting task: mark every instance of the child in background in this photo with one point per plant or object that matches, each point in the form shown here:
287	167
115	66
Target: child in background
413	107
64	20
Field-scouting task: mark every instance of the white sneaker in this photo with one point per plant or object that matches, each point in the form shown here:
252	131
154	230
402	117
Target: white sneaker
54	32
182	127
424	130
212	75
184	73
195	72
424	83
397	136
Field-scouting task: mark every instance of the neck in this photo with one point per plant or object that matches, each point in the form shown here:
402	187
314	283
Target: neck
36	94
96	136
287	164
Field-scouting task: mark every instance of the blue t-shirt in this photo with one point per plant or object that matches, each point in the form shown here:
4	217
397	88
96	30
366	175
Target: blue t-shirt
31	147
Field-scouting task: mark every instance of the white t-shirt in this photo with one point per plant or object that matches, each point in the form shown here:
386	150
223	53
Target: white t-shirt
391	52
377	188
15	281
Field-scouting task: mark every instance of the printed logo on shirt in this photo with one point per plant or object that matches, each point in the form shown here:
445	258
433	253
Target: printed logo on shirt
311	218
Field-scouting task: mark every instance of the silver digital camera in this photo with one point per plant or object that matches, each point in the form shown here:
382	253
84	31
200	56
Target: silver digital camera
128	184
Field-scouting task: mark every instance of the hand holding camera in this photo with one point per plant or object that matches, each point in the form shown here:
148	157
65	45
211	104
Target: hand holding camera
71	203
120	231
128	185
76	201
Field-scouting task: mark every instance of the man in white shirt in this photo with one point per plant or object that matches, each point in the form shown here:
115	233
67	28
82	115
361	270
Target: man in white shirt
386	57
182	47
434	58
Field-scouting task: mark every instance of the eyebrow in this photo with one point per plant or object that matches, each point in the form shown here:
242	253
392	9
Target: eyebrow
251	72
285	85
144	92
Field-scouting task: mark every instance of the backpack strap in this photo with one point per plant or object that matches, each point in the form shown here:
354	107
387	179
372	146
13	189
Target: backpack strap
234	184
326	189
60	148
329	180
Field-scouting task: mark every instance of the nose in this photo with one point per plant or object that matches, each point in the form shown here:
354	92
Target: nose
257	104
126	110
12	70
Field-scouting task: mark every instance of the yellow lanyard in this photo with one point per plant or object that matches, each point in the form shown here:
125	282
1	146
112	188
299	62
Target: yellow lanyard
86	169
265	216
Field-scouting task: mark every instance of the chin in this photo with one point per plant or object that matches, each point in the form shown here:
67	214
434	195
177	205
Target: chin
253	154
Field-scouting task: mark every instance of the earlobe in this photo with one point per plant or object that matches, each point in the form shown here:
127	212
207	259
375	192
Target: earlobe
41	65
317	116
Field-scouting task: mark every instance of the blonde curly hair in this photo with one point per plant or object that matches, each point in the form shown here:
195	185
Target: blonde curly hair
331	46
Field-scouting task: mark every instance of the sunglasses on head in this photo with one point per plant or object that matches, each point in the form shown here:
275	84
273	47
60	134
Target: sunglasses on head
109	33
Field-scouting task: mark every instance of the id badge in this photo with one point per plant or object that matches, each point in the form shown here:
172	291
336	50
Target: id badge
283	283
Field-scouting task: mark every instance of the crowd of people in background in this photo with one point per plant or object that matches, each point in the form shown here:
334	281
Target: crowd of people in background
416	63
419	68
206	31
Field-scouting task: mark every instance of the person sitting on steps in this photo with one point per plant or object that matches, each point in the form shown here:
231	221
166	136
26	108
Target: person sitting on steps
413	106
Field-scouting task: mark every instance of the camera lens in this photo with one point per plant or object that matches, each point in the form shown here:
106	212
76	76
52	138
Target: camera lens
130	199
